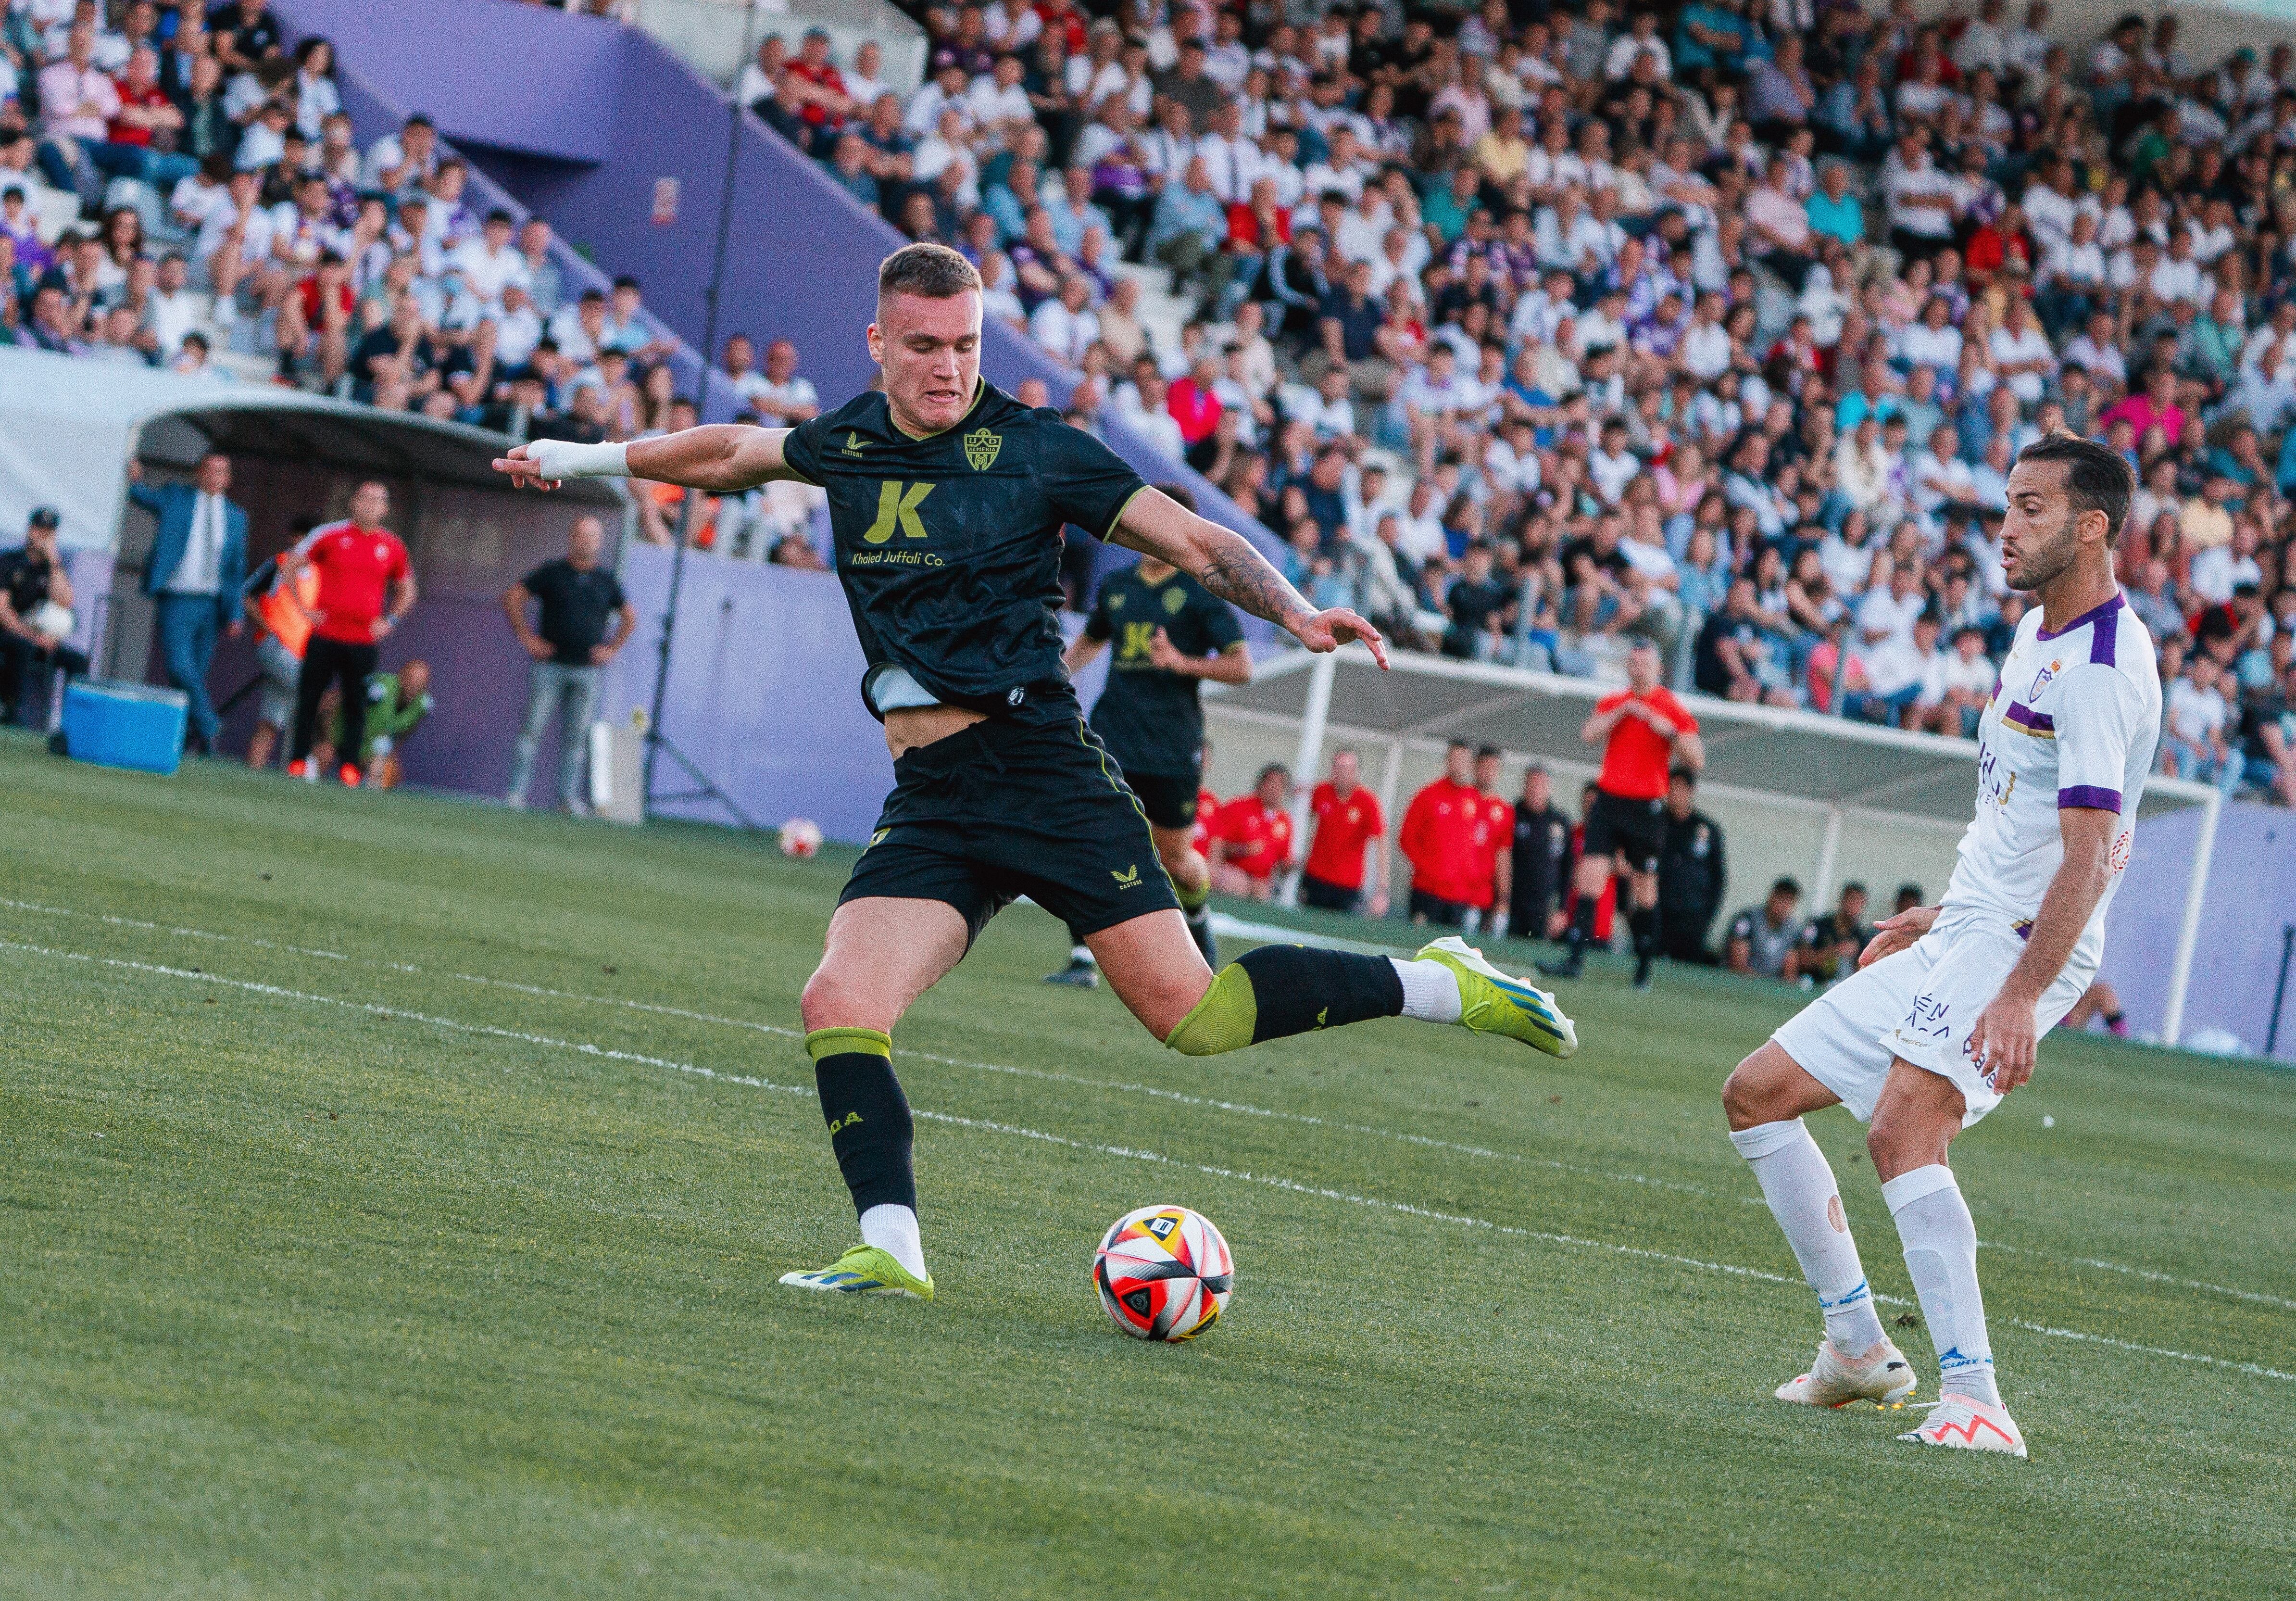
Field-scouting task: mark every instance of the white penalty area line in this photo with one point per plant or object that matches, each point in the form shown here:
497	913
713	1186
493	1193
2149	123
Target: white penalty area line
1271	1181
1048	1075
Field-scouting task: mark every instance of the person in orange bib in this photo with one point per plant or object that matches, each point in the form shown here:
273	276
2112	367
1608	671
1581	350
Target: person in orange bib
1644	733
282	623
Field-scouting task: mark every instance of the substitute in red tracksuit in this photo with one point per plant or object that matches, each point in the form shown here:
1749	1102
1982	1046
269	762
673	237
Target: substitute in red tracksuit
366	585
1347	819
1644	733
1252	836
1446	836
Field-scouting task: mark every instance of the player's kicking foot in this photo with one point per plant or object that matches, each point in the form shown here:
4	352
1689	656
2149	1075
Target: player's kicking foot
1081	972
864	1270
1965	1423
1882	1374
1200	930
1492	1003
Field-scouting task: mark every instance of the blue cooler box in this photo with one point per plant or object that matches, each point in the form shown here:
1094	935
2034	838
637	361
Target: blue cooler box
119	725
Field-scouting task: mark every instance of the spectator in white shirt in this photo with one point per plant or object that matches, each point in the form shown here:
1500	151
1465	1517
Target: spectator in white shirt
785	399
2022	355
489	261
1064	323
1956	683
517	326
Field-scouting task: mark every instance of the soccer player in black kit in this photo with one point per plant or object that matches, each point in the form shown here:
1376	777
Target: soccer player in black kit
946	498
1171	636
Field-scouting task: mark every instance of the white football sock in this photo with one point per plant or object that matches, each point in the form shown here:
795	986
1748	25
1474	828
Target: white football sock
1431	990
1798	1182
893	1230
1082	953
1940	1242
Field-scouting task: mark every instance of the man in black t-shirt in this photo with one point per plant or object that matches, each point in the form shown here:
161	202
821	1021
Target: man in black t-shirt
947	499
585	618
1169	637
1831	940
1542	858
32	578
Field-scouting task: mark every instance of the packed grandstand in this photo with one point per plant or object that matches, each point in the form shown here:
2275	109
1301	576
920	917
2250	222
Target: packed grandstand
1528	332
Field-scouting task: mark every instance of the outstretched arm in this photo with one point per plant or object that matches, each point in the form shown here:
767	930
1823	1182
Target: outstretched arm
1225	563
722	458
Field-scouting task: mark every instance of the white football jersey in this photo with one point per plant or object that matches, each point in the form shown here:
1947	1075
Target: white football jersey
2073	723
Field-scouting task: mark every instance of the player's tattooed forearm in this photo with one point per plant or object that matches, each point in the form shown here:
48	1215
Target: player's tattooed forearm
1237	573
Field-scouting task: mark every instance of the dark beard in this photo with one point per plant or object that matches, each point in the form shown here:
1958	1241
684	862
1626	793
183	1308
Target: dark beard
2042	567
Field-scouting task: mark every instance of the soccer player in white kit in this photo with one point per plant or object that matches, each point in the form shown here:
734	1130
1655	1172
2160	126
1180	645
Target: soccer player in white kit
1941	1019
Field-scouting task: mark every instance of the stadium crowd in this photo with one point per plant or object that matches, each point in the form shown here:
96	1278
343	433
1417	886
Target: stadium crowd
1531	328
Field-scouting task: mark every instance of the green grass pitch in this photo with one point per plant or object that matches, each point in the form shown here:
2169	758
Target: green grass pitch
371	1224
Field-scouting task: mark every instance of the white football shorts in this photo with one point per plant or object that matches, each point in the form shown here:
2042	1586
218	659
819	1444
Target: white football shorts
1919	1004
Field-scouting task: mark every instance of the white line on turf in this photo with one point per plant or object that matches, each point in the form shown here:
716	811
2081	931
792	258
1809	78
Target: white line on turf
1180	1097
1177	1096
161	928
2258	1296
1273	1181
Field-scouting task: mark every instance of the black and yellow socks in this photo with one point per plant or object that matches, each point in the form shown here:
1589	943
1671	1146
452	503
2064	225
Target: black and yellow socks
1276	990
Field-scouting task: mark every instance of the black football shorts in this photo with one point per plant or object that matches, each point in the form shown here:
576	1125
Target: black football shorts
1618	826
1168	799
1003	809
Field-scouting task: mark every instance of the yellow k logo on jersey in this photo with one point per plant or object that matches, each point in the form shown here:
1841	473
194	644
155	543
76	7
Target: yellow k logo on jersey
897	504
1137	639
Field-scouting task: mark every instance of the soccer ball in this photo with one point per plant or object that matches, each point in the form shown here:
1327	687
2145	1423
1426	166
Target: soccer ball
800	837
1163	1273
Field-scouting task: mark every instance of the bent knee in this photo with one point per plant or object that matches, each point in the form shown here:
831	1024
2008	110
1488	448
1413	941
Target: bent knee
1743	1101
831	1001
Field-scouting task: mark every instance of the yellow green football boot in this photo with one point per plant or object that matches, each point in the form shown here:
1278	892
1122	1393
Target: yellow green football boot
864	1270
1492	1003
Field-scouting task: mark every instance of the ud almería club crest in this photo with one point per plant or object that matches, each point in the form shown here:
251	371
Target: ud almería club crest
980	448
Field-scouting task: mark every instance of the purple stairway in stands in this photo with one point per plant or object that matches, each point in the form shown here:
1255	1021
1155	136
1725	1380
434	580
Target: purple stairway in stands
587	122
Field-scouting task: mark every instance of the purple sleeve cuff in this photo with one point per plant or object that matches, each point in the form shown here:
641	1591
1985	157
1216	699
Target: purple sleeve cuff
2082	795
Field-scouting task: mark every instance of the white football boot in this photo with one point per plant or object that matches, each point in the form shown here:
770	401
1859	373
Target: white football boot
1881	1376
1965	1423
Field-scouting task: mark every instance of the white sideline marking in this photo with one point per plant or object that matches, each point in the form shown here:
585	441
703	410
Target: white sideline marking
2258	1296
1273	1181
188	933
2153	1350
1179	1096
1050	1076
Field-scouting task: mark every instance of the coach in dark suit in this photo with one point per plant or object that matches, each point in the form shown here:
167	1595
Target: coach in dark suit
198	567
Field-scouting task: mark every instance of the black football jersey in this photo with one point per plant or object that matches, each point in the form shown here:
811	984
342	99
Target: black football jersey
1151	720
949	546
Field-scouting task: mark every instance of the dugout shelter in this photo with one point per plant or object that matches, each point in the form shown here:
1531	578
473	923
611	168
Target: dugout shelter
69	426
1822	777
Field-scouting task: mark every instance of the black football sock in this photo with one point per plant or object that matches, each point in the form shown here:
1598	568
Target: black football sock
1644	922
870	1128
1581	934
1276	990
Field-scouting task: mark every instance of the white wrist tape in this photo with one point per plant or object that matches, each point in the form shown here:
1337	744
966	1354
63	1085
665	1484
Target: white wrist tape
562	458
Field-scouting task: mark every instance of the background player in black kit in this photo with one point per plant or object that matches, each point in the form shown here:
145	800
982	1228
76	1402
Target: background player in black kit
1169	637
946	498
1542	857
